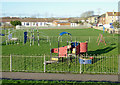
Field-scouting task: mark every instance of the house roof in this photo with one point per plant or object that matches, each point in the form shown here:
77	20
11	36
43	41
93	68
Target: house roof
113	13
28	19
103	15
8	19
75	19
94	16
62	22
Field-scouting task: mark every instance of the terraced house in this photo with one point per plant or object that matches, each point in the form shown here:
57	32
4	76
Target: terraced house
111	17
93	19
102	19
29	21
32	22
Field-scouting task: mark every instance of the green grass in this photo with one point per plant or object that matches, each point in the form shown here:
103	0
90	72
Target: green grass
38	82
35	64
80	35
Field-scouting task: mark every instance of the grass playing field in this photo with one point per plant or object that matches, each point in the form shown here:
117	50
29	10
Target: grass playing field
80	35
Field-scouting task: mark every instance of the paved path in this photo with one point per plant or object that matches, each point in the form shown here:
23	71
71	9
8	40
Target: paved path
59	76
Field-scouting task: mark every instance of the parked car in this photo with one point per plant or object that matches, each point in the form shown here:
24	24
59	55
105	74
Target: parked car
100	25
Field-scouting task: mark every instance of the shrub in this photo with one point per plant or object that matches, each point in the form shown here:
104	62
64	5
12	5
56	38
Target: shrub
116	24
14	23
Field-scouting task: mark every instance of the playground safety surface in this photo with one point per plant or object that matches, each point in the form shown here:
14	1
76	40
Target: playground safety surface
59	76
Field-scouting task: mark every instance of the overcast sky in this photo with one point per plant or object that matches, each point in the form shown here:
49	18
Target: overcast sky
56	8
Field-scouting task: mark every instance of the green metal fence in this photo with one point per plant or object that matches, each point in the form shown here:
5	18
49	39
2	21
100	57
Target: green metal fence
99	64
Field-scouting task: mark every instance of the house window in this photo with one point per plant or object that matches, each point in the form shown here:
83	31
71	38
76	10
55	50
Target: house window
95	18
36	24
24	23
27	24
33	23
40	23
44	23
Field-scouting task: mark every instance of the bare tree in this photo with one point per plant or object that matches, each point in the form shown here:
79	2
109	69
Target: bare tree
87	14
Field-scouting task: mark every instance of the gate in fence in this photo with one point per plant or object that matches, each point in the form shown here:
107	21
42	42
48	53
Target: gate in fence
99	64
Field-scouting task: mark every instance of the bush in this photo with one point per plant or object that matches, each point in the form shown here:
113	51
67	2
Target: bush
116	24
80	22
14	23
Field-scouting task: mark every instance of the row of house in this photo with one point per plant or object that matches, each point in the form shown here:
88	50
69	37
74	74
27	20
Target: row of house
107	18
28	22
93	19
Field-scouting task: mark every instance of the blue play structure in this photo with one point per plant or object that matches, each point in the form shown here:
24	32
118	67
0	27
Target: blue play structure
62	33
25	37
10	36
2	34
85	61
74	44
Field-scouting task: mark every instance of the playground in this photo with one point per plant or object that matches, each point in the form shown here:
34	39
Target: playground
51	35
99	53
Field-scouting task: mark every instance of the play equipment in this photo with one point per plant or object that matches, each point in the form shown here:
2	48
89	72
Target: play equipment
29	35
83	47
100	39
71	50
2	34
61	51
11	38
33	36
74	48
25	37
52	60
14	39
85	61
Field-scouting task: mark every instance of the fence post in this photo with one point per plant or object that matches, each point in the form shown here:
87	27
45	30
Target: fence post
23	36
47	38
10	63
6	41
80	68
119	64
33	37
89	39
44	64
38	39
